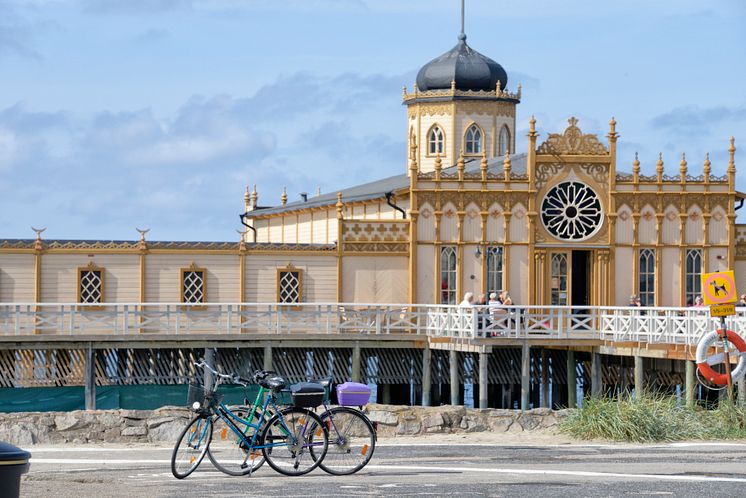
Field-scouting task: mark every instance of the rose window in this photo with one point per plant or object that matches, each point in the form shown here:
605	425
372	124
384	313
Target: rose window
571	211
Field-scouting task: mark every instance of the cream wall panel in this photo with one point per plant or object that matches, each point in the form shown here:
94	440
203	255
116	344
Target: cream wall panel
671	226
163	276
495	228
319	277
426	226
721	264
472	226
694	227
262	232
518	230
17	278
518	285
471	272
304	228
647	232
275	230
624	227
375	279
718	227
671	275
449	224
319	227
624	257
426	274
427	163
59	277
333	226
290	225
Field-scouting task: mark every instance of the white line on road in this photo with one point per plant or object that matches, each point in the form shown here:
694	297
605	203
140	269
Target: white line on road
545	472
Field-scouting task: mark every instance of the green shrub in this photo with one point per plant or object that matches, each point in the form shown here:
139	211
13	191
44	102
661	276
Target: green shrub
652	417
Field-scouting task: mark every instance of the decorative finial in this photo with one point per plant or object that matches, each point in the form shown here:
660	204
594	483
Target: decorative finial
707	165
142	231
453	85
506	166
636	166
573	121
462	34
498	90
254	197
339	205
318	191
404	92
37	242
414	88
438	166
483	166
284	196
732	159
532	124
683	167
659	166
246	198
242	238
518	92
460	164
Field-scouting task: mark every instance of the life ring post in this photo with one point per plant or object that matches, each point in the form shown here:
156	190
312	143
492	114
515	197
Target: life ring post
723	332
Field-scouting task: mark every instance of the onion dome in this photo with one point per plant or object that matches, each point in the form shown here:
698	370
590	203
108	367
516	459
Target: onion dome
463	65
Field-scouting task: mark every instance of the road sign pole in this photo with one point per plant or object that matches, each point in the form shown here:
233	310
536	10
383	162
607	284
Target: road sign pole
726	347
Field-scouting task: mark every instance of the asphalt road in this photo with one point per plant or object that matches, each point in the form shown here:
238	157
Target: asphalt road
408	468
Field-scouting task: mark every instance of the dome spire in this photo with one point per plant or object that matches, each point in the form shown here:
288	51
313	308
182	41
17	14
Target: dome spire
462	34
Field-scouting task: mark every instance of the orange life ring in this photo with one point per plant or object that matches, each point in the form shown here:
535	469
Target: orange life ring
706	342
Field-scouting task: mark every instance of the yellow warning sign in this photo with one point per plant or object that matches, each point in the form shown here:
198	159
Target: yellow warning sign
719	288
721	310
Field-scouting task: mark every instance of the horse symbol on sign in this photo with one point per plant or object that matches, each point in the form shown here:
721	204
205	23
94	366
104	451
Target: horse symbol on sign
719	288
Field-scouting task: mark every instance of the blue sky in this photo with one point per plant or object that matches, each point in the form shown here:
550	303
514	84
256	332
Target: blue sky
116	114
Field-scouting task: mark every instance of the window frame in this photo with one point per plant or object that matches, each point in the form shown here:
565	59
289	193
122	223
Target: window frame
498	273
506	131
199	305
691	277
91	267
289	269
451	275
647	293
473	126
433	129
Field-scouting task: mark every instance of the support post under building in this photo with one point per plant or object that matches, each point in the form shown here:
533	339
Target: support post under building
596	377
454	378
525	375
639	377
90	378
426	376
572	381
545	401
484	379
268	357
689	383
356	362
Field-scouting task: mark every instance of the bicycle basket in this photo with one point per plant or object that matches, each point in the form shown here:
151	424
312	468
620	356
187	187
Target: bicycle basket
197	393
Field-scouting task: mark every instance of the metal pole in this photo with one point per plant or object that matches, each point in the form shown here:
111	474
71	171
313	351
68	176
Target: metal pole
356	362
427	375
639	377
454	378
210	360
267	357
525	374
545	401
742	391
724	336
690	383
596	380
90	379
484	379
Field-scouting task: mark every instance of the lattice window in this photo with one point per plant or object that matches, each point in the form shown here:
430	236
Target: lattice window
193	285
448	275
647	277
435	141
494	269
559	280
91	284
693	275
473	140
289	285
504	141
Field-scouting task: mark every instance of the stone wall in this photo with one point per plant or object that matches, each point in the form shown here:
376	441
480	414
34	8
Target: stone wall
165	424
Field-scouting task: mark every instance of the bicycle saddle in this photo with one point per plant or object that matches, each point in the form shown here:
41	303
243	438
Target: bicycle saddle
273	382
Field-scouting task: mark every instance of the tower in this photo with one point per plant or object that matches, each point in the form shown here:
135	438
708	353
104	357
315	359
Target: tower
460	103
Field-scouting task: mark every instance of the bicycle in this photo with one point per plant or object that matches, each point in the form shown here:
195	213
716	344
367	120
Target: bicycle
283	440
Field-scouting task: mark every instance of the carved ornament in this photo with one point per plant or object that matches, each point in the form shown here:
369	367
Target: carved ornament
572	141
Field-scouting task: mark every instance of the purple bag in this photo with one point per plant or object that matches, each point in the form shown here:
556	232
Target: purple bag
353	394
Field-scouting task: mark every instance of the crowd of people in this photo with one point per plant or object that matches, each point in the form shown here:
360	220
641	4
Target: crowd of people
492	308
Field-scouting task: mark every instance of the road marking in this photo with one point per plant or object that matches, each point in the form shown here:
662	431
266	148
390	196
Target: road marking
507	471
574	473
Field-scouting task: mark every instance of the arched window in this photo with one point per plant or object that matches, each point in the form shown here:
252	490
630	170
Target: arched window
504	141
448	275
647	277
435	141
473	140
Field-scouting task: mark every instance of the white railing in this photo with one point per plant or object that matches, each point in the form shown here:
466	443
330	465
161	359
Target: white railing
616	324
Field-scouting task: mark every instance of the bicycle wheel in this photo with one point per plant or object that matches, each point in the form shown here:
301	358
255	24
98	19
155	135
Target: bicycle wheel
288	437
191	447
352	441
229	452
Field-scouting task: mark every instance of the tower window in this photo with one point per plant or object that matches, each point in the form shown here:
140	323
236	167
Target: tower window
504	141
473	140
435	141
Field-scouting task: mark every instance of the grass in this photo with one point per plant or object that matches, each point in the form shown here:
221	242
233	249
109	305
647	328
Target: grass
653	417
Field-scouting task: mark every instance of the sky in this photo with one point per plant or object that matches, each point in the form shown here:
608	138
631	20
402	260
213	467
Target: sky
117	114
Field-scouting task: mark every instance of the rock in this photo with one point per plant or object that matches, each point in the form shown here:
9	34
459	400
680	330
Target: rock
19	435
69	421
540	411
134	431
500	424
434	420
383	417
135	414
409	428
167	431
155	422
109	419
471	423
515	427
452	415
529	422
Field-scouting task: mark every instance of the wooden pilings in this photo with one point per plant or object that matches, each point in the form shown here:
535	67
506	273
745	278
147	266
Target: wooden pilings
427	377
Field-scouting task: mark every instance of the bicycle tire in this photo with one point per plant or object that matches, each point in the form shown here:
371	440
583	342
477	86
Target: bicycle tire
352	441
193	455
289	448
228	452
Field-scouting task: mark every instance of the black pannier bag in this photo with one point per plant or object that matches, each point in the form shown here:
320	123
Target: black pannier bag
307	394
